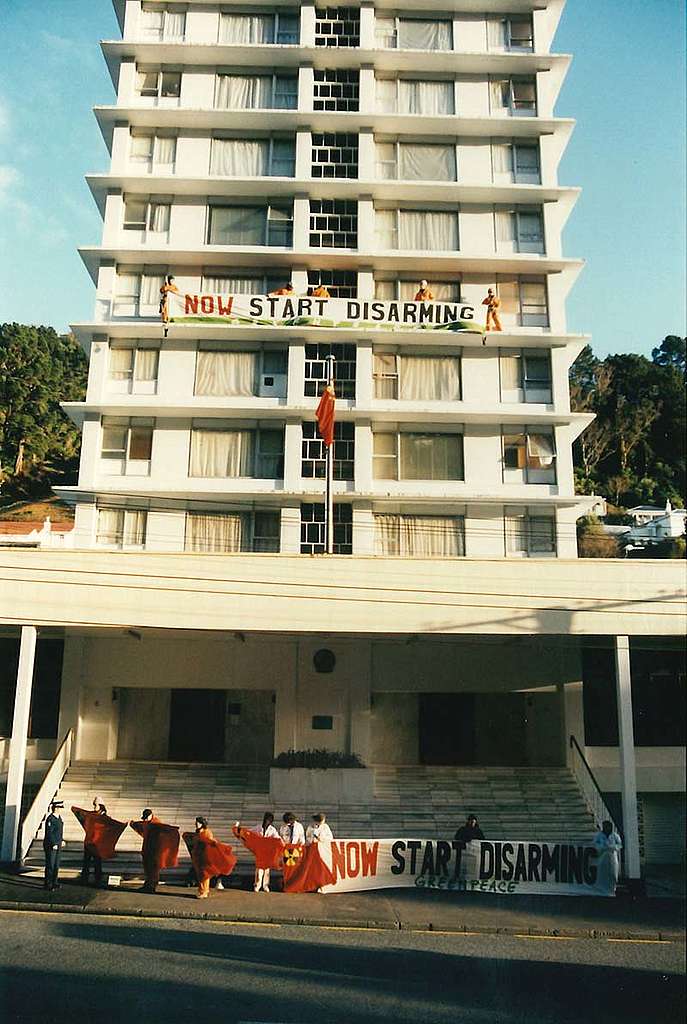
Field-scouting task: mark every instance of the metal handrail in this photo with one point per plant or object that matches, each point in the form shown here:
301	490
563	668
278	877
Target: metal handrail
45	795
593	796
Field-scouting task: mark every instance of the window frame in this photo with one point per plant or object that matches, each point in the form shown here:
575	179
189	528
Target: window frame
344	464
398	210
397	19
131	378
118	544
397	144
398	454
524	515
143	227
127	464
267	231
528	470
397	376
162	36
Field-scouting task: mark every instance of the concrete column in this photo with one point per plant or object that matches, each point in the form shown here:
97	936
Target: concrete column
308	24
20	728
628	773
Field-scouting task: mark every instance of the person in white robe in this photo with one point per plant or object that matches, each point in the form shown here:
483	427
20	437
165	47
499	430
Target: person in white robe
609	844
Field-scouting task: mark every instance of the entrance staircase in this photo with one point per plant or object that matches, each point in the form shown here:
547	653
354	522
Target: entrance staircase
413	801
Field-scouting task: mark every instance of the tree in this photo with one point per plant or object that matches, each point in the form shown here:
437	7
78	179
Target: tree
593	541
671	352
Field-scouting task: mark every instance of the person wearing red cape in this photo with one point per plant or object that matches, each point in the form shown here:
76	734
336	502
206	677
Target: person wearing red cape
100	839
266	846
303	869
210	857
160	847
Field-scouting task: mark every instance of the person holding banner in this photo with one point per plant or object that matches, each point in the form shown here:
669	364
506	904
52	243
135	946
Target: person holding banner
266	846
608	844
168	286
425	294
319	831
292	832
469	831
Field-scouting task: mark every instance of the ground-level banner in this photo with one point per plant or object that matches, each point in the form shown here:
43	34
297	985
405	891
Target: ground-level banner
503	868
309	311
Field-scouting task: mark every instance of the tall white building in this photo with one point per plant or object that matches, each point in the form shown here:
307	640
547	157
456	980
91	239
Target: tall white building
362	148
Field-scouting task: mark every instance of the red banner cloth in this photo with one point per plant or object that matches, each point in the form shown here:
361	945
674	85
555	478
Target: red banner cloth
267	850
102	832
160	843
210	857
304	870
325	415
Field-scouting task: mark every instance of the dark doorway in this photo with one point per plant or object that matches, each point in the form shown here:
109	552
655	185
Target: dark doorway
196	725
447	728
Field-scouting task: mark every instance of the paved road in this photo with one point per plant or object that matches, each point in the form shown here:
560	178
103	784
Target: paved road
59	968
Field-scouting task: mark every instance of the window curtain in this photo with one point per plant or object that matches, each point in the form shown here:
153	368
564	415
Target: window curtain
159	217
423	536
421	230
175	25
226	373
385	33
110	526
121	362
243	92
509	293
150	289
387	539
222	453
533	297
142	148
496	33
232	285
511	372
516	534
152	23
146	364
246	29
430	98
207	532
237	225
499	94
502	157
128	288
431	456
387	95
436	378
540	449
416	34
385	375
426	162
165	150
386	229
134	529
505	226
387	168
241	158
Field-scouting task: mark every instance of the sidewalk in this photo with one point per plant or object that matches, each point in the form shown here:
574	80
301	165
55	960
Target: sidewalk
394	909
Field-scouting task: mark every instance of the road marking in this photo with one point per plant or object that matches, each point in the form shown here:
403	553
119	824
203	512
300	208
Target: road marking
645	942
547	938
241	924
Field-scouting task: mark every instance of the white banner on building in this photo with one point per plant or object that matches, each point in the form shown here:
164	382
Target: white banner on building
503	868
308	311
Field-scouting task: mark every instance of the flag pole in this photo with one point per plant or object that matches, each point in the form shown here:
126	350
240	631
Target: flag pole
329	509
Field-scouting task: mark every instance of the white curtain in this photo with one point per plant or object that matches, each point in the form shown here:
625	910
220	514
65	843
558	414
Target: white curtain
385	375
175	25
134	528
416	34
502	157
387	540
225	532
152	23
499	94
165	150
226	373
246	29
243	92
222	453
146	364
436	378
121	363
420	162
422	97
424	536
150	289
387	167
431	456
386	228
511	372
422	230
385	33
240	158
142	148
159	217
237	225
496	33
387	95
110	526
540	450
505	226
516	534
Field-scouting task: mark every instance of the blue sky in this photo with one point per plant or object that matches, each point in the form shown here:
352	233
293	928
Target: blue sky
625	87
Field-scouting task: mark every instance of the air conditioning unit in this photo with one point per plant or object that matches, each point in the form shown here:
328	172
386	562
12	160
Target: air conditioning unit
273	385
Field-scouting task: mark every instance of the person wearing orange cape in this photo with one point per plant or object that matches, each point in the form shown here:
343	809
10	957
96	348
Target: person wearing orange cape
266	846
160	847
210	857
304	870
102	833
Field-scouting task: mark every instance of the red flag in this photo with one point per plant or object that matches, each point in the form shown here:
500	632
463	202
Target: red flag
304	870
160	843
210	857
102	832
325	415
267	850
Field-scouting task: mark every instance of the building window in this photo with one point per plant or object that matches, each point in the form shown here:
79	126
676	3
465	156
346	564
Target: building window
313	454
525	375
314	534
513	97
150	153
417	377
218	452
334	155
324	722
127	445
512	32
336	90
529	455
242	283
415	96
529	535
231	372
525	300
406	456
417	230
121	528
256	92
414	34
398	289
253	158
341	284
251	225
133	370
515	163
316	369
415	161
137	294
227	532
337	26
419	536
162	24
282	28
519	231
158	84
333	223
147	217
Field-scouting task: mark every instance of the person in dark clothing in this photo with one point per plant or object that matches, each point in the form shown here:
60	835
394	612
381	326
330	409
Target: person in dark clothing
53	842
469	831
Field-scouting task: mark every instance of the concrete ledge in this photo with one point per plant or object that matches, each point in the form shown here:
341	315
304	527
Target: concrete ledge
319	787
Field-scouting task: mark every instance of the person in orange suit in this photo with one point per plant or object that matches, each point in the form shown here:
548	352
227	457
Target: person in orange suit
168	286
425	293
288	289
321	292
492	302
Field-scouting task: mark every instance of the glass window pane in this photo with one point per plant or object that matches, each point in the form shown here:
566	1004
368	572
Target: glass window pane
140	442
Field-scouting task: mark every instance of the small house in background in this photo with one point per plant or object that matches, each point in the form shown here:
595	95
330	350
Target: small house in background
651	524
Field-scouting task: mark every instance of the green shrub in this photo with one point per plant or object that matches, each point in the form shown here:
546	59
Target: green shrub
316	759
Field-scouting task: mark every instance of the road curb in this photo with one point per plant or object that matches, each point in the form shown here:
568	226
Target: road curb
348	923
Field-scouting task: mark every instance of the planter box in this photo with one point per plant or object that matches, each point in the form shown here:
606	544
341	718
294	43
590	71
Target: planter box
320	787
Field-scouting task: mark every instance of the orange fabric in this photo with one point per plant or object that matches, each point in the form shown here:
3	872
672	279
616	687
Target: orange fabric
321	292
282	291
304	870
102	832
325	415
492	302
267	850
210	857
160	844
424	295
